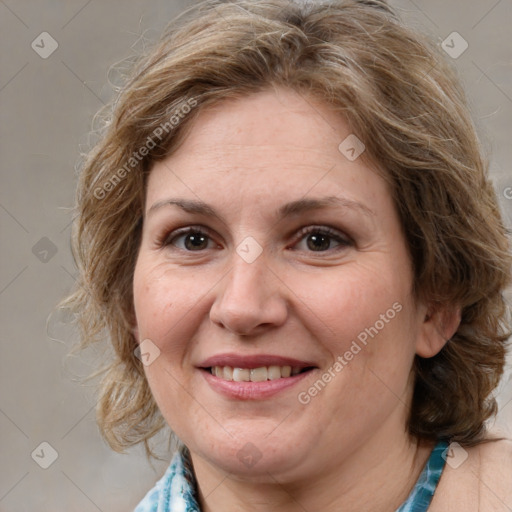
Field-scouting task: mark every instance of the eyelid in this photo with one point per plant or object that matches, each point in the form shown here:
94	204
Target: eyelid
340	237
166	237
324	228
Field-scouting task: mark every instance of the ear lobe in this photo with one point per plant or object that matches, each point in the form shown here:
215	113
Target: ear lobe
439	325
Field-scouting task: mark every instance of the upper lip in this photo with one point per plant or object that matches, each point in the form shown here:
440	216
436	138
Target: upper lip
254	361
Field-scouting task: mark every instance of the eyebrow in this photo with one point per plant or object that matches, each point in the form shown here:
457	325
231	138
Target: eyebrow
293	208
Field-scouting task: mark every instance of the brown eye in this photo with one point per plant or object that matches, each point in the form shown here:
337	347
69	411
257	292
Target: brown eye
322	239
188	239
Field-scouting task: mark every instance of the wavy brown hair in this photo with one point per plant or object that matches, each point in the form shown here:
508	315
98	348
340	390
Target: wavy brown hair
401	98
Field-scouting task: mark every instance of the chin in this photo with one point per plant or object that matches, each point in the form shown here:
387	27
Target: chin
260	459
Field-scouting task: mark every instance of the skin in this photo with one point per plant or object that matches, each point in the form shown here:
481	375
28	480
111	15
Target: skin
348	448
481	483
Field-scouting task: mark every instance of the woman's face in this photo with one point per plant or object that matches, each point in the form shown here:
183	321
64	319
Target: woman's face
295	262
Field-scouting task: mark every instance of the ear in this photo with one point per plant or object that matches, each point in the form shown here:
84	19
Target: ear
440	323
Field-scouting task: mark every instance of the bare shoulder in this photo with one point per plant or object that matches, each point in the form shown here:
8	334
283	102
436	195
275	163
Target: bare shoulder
495	450
477	478
495	473
495	461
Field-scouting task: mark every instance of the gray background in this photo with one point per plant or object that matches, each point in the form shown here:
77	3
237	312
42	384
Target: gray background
46	113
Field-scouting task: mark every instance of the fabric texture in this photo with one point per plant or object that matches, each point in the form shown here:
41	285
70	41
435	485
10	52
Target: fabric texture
176	491
420	497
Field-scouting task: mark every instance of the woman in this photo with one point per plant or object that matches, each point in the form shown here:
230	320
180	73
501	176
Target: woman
288	232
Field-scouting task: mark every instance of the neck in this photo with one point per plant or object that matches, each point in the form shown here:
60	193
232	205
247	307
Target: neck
377	477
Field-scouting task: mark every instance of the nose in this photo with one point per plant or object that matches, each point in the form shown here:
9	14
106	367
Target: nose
250	299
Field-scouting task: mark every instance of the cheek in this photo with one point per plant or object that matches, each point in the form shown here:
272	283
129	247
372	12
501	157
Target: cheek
355	303
366	317
162	304
165	306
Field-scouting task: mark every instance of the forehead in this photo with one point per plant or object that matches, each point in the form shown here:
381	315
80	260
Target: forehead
275	144
274	118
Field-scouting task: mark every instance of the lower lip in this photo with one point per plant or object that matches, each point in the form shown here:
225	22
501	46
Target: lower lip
252	390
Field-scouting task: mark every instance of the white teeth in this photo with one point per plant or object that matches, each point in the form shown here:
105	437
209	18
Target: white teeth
286	371
274	372
260	374
228	373
241	375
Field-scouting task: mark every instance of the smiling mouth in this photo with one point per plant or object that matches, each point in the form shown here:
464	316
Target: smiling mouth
261	374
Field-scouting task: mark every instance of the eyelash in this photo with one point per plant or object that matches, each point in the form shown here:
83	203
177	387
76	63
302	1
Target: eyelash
343	242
